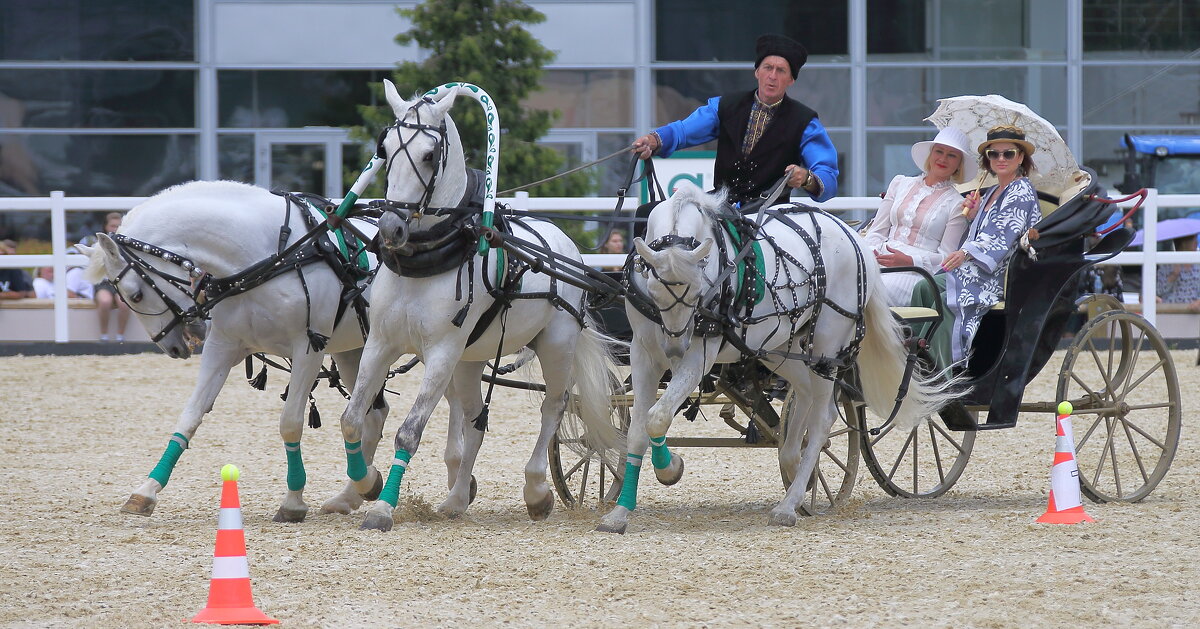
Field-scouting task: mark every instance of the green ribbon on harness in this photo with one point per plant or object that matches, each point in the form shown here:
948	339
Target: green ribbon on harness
340	235
759	290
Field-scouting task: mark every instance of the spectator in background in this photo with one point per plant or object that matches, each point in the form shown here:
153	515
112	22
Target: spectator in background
1180	283
615	243
106	294
43	284
14	283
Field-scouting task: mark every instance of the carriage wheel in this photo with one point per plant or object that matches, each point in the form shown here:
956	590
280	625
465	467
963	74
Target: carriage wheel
1121	379
581	474
833	479
923	462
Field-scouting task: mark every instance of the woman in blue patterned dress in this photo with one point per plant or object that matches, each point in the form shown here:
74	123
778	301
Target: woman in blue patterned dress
973	280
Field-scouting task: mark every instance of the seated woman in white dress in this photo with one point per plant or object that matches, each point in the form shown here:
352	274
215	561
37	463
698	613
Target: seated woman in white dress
920	220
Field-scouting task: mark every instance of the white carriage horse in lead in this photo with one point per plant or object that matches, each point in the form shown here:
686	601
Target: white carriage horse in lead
803	325
211	248
436	304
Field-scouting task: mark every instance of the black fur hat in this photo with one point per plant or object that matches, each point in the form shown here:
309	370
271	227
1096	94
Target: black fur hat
785	47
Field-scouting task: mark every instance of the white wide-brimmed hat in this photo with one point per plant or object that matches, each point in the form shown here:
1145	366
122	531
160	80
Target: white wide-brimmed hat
954	139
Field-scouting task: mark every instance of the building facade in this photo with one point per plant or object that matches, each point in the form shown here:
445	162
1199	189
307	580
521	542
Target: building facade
125	97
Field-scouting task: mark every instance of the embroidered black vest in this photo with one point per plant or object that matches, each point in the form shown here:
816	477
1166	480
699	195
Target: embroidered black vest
748	176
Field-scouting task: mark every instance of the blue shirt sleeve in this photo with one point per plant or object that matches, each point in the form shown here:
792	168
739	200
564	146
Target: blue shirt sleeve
818	154
699	127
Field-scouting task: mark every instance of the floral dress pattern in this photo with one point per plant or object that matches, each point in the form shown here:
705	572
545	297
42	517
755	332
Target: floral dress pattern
973	288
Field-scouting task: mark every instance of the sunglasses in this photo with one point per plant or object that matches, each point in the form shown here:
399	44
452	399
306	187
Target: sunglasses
1006	154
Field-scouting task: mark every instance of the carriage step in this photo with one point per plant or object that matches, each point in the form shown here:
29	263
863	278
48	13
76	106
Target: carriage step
956	417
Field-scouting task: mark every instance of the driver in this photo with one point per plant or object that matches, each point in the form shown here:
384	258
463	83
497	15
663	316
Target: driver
760	133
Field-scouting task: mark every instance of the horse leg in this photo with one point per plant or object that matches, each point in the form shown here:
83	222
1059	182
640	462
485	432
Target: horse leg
555	347
349	499
377	355
305	366
646	375
807	430
685	378
439	366
465	401
216	361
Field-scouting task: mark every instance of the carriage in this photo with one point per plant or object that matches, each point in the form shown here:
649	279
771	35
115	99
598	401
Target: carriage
1117	372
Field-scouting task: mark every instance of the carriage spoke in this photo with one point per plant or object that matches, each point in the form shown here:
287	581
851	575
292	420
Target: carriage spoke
1088	434
587	464
916	452
1133	361
824	484
1133	450
575	468
948	437
1105	449
900	457
882	433
1104	373
1092	395
1138	429
1129	387
937	455
836	461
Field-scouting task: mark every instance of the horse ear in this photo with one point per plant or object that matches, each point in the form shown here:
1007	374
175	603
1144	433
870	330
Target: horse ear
393	97
445	102
99	257
643	249
701	252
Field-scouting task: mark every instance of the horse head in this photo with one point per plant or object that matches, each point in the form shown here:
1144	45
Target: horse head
425	166
158	305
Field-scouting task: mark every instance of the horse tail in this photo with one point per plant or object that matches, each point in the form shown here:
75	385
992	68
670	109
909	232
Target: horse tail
596	379
881	363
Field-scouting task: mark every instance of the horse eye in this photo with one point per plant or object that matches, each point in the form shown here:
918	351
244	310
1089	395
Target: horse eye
136	297
428	157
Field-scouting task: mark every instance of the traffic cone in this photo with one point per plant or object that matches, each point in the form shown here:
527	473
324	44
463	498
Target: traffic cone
229	599
1066	506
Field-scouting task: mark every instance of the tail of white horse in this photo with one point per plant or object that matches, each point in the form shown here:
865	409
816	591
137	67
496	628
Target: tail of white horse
595	382
881	363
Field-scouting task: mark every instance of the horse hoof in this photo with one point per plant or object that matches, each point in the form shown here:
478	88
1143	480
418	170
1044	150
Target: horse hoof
671	474
474	490
376	489
290	515
782	518
139	505
376	522
605	527
541	510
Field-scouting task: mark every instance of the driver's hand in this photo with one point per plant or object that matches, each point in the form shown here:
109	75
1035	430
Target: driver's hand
797	175
645	146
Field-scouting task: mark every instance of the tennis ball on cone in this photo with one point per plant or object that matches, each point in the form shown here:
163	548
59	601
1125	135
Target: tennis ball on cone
1065	408
230	471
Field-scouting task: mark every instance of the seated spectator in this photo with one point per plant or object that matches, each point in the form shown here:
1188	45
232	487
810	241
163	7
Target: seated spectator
1180	283
14	283
106	294
43	284
614	244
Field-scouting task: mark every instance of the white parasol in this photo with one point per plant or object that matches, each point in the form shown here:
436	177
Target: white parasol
1056	168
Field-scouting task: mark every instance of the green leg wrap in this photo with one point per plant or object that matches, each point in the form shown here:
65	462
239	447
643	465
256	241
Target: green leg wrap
628	497
356	465
295	477
166	464
391	490
659	454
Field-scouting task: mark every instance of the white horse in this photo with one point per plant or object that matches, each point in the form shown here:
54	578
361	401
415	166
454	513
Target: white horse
680	278
177	249
433	315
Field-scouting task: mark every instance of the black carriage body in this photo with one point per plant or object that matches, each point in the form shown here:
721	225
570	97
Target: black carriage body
1013	344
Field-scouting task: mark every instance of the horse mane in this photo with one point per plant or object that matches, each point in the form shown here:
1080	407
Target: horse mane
712	205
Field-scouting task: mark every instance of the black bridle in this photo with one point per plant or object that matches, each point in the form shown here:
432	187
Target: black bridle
437	157
191	286
678	299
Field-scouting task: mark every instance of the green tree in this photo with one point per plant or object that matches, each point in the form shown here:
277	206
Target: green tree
485	43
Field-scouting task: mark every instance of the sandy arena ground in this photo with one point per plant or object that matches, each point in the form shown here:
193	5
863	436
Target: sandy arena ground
78	434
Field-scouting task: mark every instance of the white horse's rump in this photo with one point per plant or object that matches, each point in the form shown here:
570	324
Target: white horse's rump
429	316
682	264
223	228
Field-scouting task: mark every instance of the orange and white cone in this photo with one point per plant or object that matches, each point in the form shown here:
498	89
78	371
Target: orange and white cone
1066	506
229	599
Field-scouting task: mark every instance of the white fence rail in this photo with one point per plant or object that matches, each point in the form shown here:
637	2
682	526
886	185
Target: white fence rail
58	204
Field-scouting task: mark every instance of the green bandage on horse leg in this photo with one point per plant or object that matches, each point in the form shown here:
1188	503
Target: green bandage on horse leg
391	490
633	469
659	454
356	465
166	464
295	476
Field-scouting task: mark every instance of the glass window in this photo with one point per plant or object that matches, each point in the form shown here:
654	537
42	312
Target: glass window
889	154
294	98
719	30
1141	28
586	98
680	92
97	30
1141	95
966	29
97	98
905	96
1104	151
98	165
